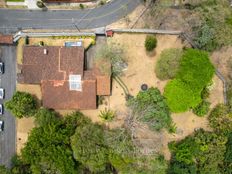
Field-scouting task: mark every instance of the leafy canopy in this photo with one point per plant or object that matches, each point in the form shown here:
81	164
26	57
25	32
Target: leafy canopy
22	104
110	59
90	137
48	148
180	97
150	107
150	42
202	109
220	119
195	73
202	152
196	70
168	63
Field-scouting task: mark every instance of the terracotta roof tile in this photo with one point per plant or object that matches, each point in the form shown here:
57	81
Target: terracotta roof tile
6	39
59	97
51	67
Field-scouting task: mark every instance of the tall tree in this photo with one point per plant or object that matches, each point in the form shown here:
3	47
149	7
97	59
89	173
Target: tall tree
22	104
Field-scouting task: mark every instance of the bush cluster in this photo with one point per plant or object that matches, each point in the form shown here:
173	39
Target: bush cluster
22	104
195	73
201	109
150	42
150	107
168	64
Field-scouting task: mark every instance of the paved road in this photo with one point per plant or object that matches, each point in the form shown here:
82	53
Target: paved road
8	82
64	19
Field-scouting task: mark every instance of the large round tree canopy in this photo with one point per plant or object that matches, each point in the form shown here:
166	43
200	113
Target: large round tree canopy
180	97
196	70
195	73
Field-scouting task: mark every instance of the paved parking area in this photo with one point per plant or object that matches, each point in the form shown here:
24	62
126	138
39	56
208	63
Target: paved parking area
8	82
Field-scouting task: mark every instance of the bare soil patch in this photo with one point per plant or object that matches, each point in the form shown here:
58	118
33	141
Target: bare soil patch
141	70
128	20
141	64
50	41
222	59
32	89
24	126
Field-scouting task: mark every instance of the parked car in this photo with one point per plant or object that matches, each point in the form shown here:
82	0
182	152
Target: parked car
2	93
1	109
1	67
1	125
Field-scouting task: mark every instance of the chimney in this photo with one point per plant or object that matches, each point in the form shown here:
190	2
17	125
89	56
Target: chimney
45	51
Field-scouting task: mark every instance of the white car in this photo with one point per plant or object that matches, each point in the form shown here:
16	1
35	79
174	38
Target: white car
1	125
1	67
2	93
1	109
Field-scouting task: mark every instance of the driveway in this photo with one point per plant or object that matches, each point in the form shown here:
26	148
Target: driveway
13	20
8	82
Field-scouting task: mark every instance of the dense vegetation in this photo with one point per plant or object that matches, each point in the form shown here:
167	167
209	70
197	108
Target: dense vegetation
205	152
193	76
74	144
180	96
220	119
22	104
110	59
216	28
150	42
150	107
168	63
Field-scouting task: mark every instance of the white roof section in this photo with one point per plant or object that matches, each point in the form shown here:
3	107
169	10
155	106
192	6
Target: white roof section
75	82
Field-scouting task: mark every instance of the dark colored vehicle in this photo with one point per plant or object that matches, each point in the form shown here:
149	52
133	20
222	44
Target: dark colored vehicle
1	67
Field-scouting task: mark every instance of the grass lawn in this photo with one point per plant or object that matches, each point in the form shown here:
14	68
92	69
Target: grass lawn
14	0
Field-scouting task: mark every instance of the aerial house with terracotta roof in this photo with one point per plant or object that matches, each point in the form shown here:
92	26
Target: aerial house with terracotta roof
65	84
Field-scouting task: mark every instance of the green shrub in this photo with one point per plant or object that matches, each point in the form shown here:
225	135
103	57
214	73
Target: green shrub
205	93
41	43
220	119
107	115
102	2
180	96
22	104
206	38
195	73
202	152
40	4
81	6
196	70
229	95
150	42
150	107
202	109
168	63
26	40
228	154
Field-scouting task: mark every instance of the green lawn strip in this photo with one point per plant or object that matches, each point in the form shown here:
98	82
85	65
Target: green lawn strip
15	0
